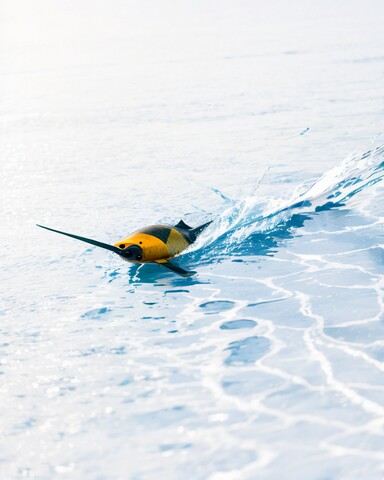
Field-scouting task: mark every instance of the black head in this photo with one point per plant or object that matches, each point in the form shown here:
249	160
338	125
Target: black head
133	252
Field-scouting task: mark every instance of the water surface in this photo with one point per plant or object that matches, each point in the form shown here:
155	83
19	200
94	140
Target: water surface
267	118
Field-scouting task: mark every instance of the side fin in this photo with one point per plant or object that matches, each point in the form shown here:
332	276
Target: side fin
175	268
182	224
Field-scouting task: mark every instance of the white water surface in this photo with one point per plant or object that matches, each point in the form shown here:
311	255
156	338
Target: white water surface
266	117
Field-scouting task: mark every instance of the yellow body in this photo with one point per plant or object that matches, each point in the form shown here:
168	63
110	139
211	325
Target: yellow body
154	249
155	243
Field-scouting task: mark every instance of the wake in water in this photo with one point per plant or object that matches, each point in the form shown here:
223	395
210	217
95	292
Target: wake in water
252	226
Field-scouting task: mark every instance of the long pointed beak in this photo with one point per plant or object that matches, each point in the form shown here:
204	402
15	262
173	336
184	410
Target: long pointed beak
87	240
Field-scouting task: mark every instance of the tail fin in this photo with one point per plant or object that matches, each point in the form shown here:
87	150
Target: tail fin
195	232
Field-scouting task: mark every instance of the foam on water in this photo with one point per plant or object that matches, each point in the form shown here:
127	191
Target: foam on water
253	226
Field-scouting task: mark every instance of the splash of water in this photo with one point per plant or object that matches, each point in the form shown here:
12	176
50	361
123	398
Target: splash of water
255	226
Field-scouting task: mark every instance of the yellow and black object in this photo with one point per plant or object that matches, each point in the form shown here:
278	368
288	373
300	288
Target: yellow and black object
156	244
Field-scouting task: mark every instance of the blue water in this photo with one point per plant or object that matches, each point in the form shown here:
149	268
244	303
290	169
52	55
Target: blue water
268	120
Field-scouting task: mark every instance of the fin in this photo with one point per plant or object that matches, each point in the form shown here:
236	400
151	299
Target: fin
195	232
86	240
182	224
175	268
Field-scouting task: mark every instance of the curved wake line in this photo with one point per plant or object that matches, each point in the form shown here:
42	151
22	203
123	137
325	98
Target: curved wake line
256	223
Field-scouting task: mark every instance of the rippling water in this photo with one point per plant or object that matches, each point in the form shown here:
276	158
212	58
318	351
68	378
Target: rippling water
265	118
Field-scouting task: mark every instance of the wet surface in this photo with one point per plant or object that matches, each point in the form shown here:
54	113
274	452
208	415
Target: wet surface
270	359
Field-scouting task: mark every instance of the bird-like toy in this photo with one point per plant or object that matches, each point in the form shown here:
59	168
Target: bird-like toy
153	244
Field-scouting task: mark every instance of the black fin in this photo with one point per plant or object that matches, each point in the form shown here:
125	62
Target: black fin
86	240
182	224
195	232
176	269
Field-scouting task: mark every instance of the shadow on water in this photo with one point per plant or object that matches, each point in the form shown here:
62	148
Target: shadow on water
159	276
154	275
